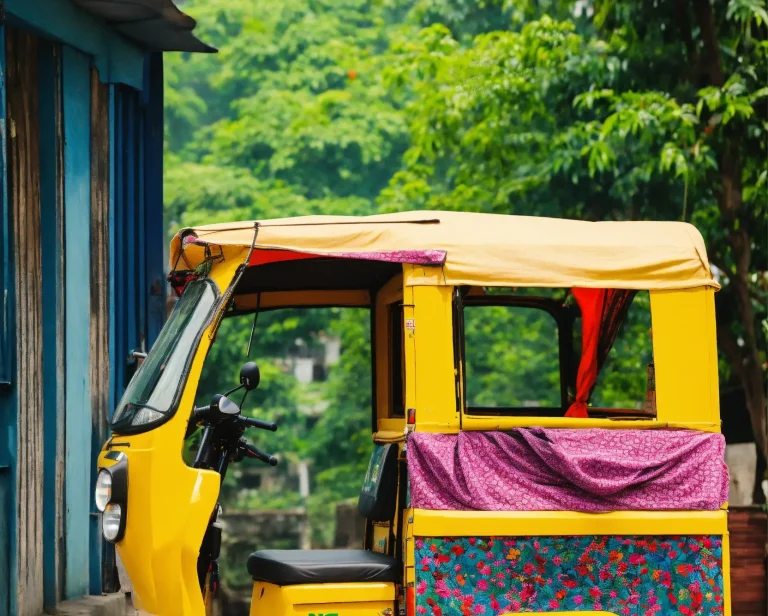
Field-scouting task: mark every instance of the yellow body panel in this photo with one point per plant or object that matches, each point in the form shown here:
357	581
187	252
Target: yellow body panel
354	599
169	503
548	523
685	353
435	395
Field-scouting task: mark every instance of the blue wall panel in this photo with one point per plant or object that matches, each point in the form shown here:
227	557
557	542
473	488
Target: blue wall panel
7	400
5	238
154	227
138	236
76	79
138	297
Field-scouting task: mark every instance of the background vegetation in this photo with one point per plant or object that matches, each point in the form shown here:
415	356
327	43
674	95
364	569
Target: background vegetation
593	109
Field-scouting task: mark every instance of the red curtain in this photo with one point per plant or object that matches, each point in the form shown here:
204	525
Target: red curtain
602	312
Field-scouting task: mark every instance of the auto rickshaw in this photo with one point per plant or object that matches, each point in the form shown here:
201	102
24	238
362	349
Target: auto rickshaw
472	506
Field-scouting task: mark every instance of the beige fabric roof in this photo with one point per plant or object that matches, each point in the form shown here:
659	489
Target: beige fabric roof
491	249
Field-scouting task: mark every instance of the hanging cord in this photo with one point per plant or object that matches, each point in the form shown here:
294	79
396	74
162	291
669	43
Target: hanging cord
253	327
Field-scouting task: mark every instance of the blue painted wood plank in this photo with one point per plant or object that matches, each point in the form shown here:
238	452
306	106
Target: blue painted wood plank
114	306
141	229
117	60
118	247
53	309
8	403
153	196
6	284
108	548
131	249
6	529
77	201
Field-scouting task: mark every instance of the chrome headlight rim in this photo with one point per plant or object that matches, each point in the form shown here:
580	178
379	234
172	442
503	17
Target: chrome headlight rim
103	491
109	511
118	498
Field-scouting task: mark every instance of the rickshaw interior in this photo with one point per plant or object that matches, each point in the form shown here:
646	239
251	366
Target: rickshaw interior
530	372
515	350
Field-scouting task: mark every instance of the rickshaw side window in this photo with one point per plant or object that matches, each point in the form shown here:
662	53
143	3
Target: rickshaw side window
152	393
396	360
511	357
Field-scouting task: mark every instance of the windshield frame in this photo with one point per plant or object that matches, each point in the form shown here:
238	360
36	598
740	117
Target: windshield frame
124	425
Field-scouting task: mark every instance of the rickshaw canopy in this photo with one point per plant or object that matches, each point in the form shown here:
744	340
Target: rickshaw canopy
464	248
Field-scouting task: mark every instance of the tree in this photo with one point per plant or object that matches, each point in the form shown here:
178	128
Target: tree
651	110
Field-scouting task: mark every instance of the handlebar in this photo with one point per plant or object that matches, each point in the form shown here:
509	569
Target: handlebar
253	452
257	423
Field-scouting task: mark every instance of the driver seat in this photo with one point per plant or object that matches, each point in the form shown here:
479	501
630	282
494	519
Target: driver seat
291	567
377	502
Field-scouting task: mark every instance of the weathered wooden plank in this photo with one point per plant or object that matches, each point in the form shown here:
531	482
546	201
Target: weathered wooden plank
52	233
24	181
76	82
99	339
61	466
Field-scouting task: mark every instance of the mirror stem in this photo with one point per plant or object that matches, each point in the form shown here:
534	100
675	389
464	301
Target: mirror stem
233	390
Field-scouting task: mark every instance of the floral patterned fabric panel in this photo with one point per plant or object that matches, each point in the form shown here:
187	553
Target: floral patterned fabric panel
621	575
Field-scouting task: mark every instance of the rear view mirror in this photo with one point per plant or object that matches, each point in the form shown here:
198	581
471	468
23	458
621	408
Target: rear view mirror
250	376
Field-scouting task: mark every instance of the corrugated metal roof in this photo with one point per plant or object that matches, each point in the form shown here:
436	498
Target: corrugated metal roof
155	25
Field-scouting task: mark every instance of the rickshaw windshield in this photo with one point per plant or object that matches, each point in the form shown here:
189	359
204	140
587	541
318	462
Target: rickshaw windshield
153	391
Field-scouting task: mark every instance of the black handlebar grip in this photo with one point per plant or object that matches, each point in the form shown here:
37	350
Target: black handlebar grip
253	452
198	414
257	423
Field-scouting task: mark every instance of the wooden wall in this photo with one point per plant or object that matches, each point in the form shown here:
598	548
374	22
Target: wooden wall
748	527
24	199
99	339
52	234
87	286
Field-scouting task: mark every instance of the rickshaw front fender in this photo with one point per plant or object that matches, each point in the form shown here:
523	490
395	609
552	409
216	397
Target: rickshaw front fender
169	504
168	508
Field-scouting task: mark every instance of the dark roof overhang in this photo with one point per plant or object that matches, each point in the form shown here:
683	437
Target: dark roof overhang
154	25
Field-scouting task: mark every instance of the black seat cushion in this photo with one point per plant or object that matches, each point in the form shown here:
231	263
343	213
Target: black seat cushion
289	567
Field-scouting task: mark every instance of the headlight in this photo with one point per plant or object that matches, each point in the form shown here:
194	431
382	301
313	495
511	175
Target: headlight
111	496
103	489
145	416
112	522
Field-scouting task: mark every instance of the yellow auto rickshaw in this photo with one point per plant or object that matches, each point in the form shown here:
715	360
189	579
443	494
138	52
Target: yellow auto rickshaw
556	504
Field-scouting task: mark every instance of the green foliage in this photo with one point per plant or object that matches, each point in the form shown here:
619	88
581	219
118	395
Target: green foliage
511	357
607	110
632	112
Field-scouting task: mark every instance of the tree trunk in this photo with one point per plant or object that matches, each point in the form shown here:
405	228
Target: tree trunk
743	357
